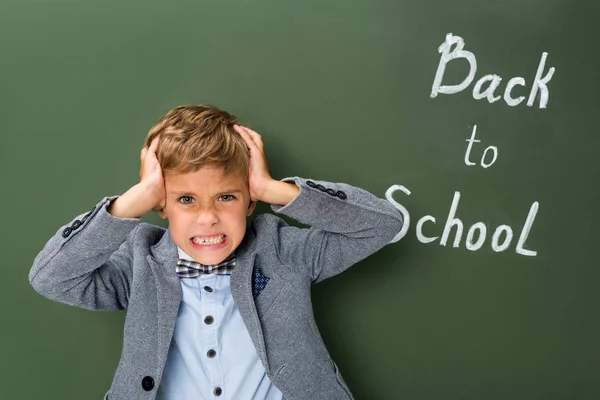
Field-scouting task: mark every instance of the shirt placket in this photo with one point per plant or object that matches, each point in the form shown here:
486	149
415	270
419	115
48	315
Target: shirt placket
212	315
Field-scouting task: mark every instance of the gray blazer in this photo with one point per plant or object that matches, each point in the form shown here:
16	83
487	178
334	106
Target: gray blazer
100	262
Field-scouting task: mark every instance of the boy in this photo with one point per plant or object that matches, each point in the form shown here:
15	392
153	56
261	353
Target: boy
215	309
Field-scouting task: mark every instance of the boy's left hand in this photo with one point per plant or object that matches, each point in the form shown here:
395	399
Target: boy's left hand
258	175
262	186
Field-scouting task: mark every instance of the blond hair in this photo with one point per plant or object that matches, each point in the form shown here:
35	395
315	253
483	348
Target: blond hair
195	136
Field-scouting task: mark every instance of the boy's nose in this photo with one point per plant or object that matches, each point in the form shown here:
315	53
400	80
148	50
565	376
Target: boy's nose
207	217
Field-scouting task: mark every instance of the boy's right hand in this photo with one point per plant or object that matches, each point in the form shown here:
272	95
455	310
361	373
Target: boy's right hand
148	194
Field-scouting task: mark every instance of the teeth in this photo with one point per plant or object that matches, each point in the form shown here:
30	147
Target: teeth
209	240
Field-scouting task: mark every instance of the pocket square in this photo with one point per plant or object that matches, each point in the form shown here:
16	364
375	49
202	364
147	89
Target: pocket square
259	281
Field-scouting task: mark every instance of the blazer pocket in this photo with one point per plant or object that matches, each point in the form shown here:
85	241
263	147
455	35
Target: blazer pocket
269	294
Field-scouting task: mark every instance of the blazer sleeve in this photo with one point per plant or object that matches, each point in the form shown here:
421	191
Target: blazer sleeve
346	223
88	262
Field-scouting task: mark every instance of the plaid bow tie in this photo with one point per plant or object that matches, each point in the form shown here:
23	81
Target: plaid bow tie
192	269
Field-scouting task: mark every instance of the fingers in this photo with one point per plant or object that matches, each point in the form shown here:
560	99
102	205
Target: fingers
252	138
149	158
255	136
154	145
152	148
245	135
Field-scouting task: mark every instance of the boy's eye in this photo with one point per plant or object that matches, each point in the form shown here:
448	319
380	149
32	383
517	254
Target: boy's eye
226	197
185	199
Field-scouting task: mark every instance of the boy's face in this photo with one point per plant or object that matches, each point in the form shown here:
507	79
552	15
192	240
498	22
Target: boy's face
207	212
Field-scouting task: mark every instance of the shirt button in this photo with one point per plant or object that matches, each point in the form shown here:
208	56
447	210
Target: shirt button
209	320
211	353
217	391
208	289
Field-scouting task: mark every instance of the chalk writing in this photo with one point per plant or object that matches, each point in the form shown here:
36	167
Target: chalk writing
478	230
483	163
493	81
477	234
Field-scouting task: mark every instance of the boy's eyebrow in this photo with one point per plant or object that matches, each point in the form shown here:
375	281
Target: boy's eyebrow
215	195
228	192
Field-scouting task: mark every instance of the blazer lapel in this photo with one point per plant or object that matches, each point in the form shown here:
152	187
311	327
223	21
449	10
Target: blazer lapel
241	290
168	289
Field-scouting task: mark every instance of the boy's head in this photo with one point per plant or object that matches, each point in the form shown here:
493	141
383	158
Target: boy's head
192	137
205	165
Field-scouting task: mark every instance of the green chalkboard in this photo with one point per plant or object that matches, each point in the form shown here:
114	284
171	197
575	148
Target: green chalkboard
341	91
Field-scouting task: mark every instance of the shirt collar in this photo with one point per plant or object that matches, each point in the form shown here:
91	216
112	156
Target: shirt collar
185	256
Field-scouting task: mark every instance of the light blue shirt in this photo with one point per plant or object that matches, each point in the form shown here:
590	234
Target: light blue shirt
211	350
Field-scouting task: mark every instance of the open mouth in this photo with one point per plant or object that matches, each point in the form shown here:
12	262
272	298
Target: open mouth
208	240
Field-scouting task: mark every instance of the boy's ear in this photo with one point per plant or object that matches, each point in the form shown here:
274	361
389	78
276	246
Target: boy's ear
161	213
251	208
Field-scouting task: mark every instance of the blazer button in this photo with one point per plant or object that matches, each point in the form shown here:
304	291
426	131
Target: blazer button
148	383
341	195
320	187
66	232
331	192
76	224
86	216
217	391
311	184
